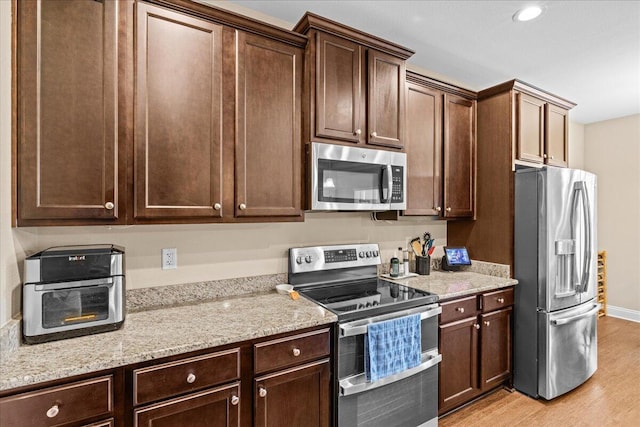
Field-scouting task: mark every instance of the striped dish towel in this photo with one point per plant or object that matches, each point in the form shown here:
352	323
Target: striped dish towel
392	346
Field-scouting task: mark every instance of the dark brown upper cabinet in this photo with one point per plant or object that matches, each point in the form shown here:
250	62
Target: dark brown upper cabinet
268	160
354	86
171	112
178	130
71	163
514	119
440	147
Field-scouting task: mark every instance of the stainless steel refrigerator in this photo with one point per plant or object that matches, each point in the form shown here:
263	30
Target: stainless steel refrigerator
555	314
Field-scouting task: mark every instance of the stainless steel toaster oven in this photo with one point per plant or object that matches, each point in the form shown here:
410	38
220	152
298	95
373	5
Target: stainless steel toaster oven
70	291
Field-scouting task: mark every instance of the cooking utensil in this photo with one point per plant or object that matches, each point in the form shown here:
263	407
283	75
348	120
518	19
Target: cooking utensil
433	248
285	289
416	246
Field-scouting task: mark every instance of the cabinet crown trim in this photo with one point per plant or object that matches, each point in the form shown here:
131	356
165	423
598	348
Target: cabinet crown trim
311	21
520	86
422	80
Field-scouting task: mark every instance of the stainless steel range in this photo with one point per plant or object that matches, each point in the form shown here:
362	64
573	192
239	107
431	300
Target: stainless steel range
343	279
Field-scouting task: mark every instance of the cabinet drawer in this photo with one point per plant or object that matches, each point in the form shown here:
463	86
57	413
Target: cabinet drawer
292	350
458	309
69	403
497	300
173	378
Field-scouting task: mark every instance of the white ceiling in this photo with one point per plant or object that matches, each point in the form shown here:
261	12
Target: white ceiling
585	51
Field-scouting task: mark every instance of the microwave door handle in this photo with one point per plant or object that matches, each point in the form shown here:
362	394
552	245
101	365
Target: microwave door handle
389	173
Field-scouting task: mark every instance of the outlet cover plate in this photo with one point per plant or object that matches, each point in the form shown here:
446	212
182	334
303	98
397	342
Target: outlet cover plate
169	258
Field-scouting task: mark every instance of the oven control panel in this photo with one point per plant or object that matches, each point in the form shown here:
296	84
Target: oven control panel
319	258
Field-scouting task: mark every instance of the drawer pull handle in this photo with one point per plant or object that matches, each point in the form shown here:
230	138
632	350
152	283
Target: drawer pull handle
262	392
460	309
235	400
476	326
487	323
53	411
296	352
501	300
191	378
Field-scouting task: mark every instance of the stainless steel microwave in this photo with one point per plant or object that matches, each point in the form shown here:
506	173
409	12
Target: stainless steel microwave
357	179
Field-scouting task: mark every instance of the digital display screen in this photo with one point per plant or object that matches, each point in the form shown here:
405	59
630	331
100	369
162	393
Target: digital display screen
457	256
340	255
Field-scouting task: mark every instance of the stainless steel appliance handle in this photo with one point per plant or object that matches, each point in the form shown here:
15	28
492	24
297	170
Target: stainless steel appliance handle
584	282
359	327
389	172
359	384
76	284
566	320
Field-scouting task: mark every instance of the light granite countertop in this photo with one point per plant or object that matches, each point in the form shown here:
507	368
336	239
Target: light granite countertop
449	285
161	332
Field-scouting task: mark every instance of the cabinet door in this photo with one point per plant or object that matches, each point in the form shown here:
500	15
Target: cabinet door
68	154
556	136
530	128
295	397
386	100
339	95
268	139
459	156
459	366
495	348
177	160
424	153
219	407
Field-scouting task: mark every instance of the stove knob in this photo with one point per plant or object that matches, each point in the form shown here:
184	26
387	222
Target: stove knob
368	305
375	254
308	259
299	260
361	254
360	306
376	303
368	254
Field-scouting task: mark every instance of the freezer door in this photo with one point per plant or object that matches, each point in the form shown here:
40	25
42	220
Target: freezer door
567	238
568	351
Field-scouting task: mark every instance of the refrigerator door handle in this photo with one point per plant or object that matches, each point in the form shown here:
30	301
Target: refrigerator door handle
584	280
566	320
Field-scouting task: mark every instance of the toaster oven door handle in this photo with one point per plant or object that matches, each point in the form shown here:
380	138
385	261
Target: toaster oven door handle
359	384
359	327
76	284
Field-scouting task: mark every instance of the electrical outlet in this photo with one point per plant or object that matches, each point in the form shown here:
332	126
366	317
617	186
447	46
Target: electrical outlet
169	258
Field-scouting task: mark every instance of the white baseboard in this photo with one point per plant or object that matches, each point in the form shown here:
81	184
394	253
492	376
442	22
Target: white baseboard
623	313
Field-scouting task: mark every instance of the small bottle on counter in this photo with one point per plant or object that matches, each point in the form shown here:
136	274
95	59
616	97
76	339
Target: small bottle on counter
394	270
401	270
405	259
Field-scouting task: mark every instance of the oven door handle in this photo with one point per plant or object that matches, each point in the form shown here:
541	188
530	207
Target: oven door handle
360	327
359	384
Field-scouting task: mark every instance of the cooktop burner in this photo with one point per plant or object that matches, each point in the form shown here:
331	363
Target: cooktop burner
365	298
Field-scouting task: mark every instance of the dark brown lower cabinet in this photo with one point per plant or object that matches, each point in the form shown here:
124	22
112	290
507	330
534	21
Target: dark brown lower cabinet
218	407
294	397
476	346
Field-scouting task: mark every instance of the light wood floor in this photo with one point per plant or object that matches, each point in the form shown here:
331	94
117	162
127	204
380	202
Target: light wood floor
611	397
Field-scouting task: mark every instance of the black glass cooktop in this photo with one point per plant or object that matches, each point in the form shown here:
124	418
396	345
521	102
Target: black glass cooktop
365	298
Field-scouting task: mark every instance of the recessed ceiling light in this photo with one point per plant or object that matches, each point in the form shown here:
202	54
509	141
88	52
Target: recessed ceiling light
527	14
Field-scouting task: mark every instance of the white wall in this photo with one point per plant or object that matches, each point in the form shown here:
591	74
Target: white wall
612	151
576	145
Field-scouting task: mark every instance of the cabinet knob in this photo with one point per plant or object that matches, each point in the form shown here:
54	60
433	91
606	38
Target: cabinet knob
235	400
53	411
217	206
374	134
296	352
262	392
438	209
460	309
109	205
501	300
544	156
191	378
487	323
357	132
242	206
449	209
476	326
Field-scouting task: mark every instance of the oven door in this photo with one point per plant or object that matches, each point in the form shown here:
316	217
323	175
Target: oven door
352	178
409	398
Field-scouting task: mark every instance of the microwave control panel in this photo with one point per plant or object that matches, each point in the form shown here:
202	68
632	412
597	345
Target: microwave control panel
397	175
